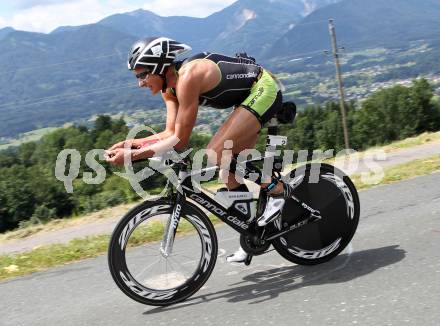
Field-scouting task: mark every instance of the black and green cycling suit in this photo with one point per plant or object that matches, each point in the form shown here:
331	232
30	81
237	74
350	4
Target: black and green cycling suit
243	83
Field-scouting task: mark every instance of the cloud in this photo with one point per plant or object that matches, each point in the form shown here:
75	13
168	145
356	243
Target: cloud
24	4
3	22
195	8
45	18
46	15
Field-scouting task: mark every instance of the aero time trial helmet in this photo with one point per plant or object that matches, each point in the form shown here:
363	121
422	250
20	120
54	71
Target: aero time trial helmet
155	53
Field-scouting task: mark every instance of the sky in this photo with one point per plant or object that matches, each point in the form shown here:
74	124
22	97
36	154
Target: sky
46	15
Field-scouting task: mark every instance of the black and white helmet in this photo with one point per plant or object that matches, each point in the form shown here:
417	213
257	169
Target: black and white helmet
155	53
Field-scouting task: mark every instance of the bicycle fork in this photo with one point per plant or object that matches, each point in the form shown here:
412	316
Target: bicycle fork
166	246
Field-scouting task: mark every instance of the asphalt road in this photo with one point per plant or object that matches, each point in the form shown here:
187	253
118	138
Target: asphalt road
389	275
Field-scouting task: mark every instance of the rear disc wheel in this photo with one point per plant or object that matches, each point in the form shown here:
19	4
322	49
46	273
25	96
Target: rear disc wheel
329	190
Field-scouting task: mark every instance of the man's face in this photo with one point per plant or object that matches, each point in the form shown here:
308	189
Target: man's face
146	79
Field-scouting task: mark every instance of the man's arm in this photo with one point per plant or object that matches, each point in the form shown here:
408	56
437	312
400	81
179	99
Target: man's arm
172	105
188	90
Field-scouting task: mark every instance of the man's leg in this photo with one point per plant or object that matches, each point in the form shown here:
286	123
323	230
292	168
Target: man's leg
241	129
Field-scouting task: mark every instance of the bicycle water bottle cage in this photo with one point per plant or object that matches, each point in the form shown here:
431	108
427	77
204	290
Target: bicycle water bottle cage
287	113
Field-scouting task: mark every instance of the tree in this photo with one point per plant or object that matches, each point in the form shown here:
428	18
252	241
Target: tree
26	152
425	112
329	134
103	123
396	113
49	192
16	195
104	139
8	157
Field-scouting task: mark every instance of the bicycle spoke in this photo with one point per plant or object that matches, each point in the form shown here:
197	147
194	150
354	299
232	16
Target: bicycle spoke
149	248
166	270
180	255
146	268
182	268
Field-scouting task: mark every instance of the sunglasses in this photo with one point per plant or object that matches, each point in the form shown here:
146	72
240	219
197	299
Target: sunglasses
142	75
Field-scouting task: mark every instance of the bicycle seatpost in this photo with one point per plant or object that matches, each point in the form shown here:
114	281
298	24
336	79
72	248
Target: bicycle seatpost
272	128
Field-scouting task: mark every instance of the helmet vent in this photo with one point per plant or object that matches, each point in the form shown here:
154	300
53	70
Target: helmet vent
155	52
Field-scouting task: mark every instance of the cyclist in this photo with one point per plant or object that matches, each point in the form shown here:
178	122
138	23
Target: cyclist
208	79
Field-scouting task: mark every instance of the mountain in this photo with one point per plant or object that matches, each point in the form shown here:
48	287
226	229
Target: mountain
49	79
143	23
5	31
75	72
246	25
362	23
251	25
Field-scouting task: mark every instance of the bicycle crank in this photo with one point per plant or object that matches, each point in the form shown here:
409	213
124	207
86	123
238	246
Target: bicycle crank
253	245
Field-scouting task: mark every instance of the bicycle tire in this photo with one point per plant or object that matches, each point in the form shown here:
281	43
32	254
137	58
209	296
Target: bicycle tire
336	197
117	259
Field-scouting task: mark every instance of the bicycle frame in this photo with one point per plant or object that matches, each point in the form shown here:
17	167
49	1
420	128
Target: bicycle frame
185	189
231	216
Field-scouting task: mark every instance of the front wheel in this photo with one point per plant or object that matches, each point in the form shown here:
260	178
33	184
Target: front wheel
143	272
329	190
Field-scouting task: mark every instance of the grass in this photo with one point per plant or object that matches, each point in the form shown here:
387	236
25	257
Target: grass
400	172
43	258
58	224
427	137
53	255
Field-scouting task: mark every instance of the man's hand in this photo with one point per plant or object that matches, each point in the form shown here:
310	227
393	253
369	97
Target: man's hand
116	156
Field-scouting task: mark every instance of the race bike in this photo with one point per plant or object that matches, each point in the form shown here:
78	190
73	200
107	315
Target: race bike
317	223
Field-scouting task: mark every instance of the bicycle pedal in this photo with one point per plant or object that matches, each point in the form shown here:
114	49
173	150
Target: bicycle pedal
248	260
